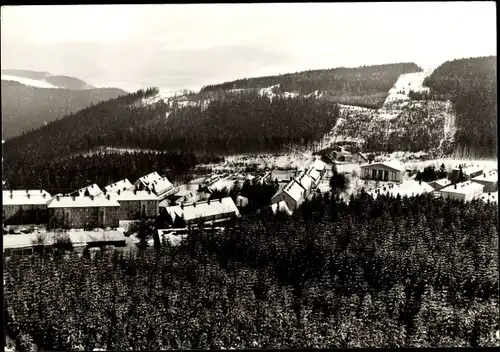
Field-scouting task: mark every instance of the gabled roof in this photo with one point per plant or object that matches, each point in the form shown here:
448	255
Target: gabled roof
161	184
314	174
133	195
93	189
305	180
319	165
27	197
82	202
199	210
294	190
412	187
392	164
122	185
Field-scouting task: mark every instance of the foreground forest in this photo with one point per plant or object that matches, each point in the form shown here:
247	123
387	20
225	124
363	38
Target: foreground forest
471	84
390	272
366	86
25	108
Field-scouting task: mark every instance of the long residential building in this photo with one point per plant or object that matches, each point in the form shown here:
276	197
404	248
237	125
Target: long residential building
83	212
464	191
206	212
489	180
21	207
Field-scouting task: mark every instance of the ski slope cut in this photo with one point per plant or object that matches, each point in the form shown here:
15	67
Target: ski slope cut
29	82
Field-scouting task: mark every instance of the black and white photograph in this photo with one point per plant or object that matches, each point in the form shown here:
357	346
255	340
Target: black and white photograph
238	176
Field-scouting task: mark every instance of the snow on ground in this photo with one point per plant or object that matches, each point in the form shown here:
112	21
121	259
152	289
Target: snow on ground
29	82
405	83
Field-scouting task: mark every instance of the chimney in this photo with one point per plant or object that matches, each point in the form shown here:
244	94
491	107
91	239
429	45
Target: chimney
44	195
57	198
27	192
108	196
208	202
220	200
420	182
120	192
194	205
28	195
91	197
135	191
73	197
455	186
41	191
182	205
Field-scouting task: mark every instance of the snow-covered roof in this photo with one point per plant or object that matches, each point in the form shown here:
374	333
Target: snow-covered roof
467	187
24	240
122	185
294	190
154	180
199	210
281	207
315	175
443	182
133	195
392	164
490	176
241	201
412	187
305	180
82	238
469	169
28	197
319	165
82	202
93	189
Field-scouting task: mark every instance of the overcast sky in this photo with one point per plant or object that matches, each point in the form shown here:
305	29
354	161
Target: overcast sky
188	46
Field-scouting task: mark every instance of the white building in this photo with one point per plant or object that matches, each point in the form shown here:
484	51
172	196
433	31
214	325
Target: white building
293	194
409	188
464	191
160	186
383	171
489	197
440	184
122	185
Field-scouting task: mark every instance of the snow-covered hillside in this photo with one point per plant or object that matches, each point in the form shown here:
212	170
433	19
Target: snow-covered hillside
29	82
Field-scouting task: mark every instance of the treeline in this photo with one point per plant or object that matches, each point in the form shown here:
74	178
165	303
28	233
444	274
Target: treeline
471	84
390	272
234	123
82	131
25	108
69	174
366	85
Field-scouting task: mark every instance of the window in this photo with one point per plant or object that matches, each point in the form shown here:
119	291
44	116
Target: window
386	175
374	174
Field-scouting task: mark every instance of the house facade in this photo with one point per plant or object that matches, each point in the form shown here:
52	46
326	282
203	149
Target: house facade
83	212
382	171
25	207
206	212
160	186
293	194
136	204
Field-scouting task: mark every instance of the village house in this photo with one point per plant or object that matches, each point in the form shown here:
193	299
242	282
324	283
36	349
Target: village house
136	204
306	181
160	186
83	212
314	174
281	207
92	190
293	194
489	180
320	166
122	185
383	171
464	191
469	172
440	184
489	197
21	207
206	212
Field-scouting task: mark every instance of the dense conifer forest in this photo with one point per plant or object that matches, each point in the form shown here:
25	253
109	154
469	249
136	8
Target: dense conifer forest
390	272
25	108
366	86
471	84
67	174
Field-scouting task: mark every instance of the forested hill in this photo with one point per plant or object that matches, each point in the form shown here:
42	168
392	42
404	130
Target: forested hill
25	108
471	84
244	122
366	86
76	131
